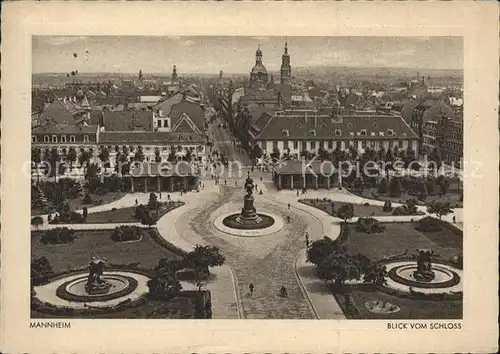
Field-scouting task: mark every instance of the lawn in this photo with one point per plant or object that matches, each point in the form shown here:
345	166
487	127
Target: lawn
147	252
399	237
396	239
451	197
77	203
181	307
410	308
359	209
126	215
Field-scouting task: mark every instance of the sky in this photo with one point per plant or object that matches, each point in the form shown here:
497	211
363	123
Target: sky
129	54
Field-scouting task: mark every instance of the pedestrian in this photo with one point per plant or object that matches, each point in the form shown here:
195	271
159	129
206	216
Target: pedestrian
283	292
225	182
255	186
251	287
288	219
297	192
261	178
136	202
160	195
236	182
454	219
260	192
288	206
168	197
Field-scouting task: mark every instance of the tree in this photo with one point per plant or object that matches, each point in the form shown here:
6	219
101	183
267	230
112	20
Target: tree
171	156
41	270
54	159
440	209
275	155
139	155
319	249
164	286
202	258
83	158
423	191
157	155
346	212
395	187
153	201
322	154
104	154
71	157
256	152
382	188
37	221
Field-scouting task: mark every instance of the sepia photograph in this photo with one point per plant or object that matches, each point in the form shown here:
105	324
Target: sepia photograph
243	178
249	177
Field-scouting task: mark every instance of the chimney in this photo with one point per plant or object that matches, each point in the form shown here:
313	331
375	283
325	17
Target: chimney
305	117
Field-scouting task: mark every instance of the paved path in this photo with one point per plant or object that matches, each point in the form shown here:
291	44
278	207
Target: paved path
267	262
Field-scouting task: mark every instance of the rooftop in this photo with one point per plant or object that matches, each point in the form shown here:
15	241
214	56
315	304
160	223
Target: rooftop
302	126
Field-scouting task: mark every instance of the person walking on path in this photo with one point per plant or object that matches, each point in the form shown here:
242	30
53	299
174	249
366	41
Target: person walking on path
160	196
261	178
283	292
136	202
251	287
288	206
454	219
297	192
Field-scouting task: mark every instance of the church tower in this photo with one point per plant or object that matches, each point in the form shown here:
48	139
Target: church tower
286	69
140	75
174	74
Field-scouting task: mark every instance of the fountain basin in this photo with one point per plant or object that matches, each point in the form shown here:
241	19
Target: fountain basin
443	277
75	289
236	225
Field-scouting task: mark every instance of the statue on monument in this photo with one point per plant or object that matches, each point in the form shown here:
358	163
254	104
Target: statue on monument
249	187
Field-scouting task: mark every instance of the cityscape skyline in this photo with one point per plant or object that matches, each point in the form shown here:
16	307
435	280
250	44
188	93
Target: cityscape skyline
236	55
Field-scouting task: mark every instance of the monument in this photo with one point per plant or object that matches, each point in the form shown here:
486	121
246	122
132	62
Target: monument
95	282
248	213
424	270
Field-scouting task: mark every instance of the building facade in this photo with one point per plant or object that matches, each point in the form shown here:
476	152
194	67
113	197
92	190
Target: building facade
295	131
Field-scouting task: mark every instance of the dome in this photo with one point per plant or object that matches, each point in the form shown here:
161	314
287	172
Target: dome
259	68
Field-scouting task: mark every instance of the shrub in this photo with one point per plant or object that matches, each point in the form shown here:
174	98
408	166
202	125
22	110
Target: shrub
387	206
401	210
87	199
59	235
113	209
126	233
369	225
428	224
41	270
366	204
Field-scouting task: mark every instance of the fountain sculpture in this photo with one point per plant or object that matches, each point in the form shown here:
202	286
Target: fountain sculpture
424	270
95	282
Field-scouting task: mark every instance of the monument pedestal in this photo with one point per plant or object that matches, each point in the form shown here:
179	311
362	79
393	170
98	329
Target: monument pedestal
248	214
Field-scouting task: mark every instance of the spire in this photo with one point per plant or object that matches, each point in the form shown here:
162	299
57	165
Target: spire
258	55
286	45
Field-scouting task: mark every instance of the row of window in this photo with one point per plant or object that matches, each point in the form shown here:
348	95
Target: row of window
329	144
338	132
62	139
132	148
